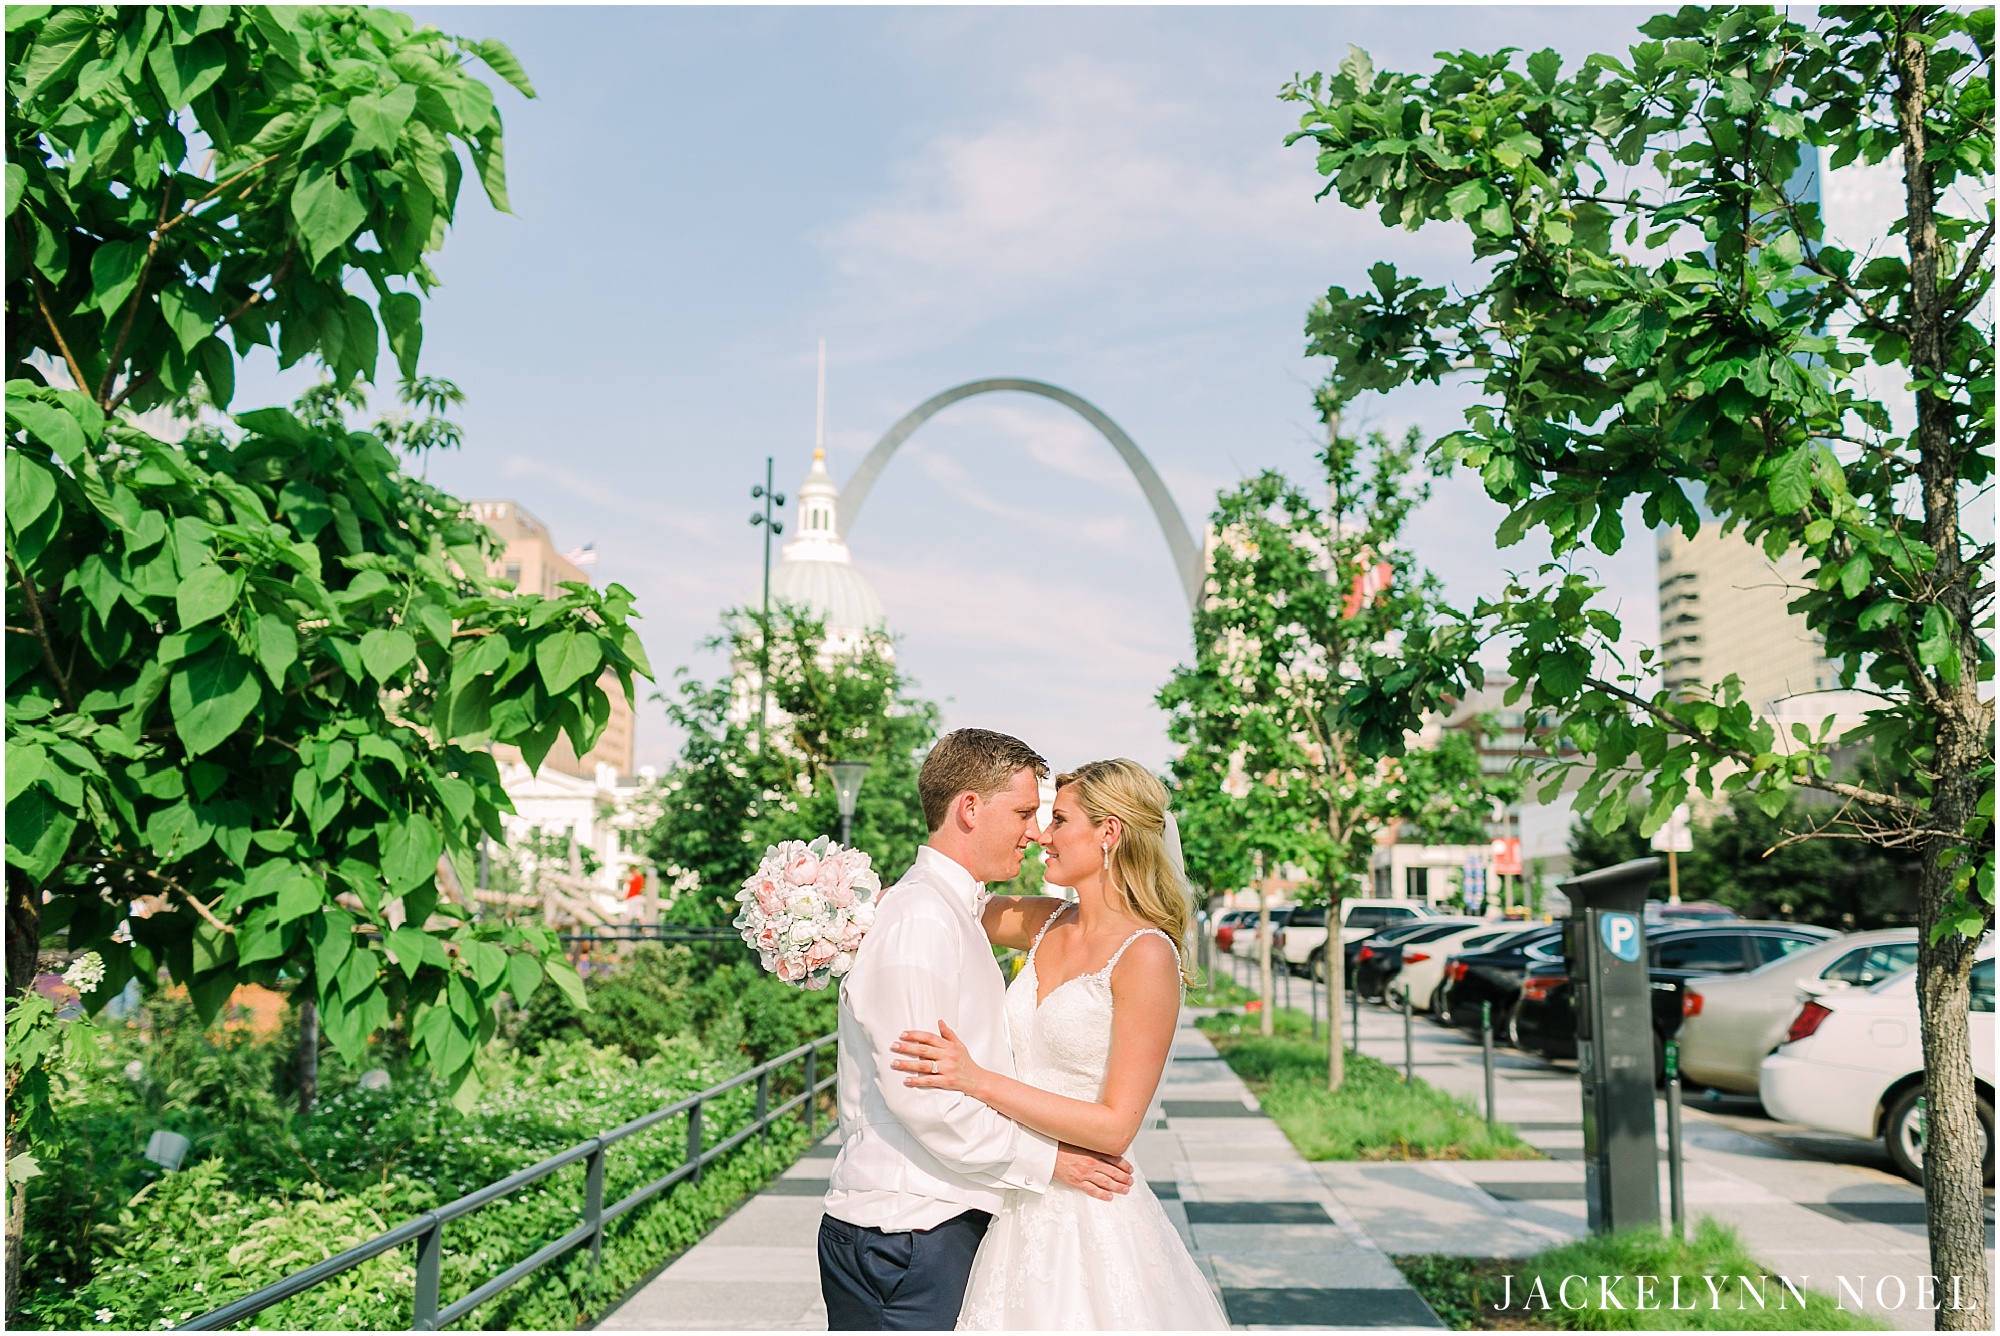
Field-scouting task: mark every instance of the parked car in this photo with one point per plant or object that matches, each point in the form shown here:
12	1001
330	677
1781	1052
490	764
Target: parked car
1227	923
1305	932
1687	913
1244	942
1853	1063
1382	939
1545	1021
1730	1024
1423	966
1380	958
1494	975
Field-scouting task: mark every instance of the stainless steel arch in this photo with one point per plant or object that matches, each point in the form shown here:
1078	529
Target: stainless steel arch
1180	543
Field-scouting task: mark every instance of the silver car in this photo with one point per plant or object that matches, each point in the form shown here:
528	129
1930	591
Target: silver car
1730	1023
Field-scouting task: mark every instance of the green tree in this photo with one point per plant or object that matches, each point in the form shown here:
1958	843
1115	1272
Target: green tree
1299	601
1693	336
181	177
252	674
725	800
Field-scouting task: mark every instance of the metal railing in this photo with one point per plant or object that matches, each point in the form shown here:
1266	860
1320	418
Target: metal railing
427	1230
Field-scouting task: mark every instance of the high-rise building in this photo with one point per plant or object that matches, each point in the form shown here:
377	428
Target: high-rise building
1724	610
532	565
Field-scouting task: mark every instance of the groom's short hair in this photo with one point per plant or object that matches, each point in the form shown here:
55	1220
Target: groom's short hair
972	760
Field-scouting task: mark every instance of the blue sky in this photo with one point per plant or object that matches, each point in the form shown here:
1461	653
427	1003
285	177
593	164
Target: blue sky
1095	197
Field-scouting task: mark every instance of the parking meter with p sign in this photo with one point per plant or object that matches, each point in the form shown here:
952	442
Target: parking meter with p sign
1604	942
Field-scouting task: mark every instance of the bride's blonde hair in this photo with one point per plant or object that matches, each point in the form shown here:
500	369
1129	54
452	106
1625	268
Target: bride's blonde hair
1141	872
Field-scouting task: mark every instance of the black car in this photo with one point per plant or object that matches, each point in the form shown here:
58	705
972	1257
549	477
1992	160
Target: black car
1375	941
1545	1020
1494	975
1380	958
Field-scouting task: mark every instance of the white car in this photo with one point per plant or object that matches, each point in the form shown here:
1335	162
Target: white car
1853	1063
1423	964
1304	937
1729	1023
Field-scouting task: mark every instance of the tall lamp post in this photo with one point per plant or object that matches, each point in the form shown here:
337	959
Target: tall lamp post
771	497
847	777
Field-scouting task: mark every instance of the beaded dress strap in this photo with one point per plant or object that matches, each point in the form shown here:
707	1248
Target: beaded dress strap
1112	963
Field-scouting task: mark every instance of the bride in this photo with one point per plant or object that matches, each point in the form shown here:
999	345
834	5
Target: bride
1091	1019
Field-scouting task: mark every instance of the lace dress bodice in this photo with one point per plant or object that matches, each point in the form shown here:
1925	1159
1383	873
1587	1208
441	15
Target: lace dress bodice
1064	1044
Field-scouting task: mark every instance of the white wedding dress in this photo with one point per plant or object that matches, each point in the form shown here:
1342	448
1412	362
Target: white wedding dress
1062	1260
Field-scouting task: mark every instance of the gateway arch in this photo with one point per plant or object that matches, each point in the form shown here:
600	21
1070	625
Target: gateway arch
1180	543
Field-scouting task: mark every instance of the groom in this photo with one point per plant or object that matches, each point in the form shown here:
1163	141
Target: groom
921	1172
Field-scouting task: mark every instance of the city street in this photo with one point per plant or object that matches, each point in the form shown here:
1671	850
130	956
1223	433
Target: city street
1810	1205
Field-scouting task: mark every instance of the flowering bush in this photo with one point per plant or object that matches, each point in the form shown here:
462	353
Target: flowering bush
806	909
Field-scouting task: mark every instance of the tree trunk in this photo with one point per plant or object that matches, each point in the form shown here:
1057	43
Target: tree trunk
308	1055
1953	1172
1333	962
1265	1020
24	931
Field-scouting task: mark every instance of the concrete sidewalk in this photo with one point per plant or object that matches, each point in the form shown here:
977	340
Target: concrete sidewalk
1803	1206
1278	1243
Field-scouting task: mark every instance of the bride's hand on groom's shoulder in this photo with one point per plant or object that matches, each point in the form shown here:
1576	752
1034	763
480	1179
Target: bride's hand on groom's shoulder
937	1061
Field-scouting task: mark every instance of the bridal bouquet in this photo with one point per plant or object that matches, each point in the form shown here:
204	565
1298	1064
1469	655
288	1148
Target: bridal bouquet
806	909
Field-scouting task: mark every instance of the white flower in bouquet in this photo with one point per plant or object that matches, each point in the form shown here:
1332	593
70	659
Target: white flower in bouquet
806	909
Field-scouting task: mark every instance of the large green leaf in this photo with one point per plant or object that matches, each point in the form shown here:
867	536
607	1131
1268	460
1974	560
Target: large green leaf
277	647
327	212
387	652
502	62
211	695
114	273
565	658
30	489
205	592
410	854
379	119
184	73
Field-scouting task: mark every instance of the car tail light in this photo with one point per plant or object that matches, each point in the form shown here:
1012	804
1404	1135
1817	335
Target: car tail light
1811	1016
1367	953
1537	987
1690	1003
1458	970
1412	957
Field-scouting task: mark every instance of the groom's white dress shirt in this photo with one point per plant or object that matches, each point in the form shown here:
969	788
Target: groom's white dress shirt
913	1159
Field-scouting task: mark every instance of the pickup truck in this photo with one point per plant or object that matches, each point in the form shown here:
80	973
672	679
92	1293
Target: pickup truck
1303	939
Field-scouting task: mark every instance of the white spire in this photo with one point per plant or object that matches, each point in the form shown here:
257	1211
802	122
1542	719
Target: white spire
819	423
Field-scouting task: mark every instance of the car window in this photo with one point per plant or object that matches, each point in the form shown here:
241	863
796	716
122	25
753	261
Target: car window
1848	968
1982	985
1308	918
1400	912
1430	932
1772	947
1368	916
1883	961
1483	940
1722	953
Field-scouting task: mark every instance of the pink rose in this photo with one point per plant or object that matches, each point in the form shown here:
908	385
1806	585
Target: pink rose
791	969
820	953
803	869
841	896
770	898
767	940
850	939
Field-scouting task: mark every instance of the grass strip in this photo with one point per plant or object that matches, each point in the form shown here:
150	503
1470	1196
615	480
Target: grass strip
1626	1282
1375	1115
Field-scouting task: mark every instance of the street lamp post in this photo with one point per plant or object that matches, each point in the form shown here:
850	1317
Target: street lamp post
770	496
847	777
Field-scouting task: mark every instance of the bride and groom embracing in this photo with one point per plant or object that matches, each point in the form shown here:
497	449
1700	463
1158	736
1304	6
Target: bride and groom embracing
981	1181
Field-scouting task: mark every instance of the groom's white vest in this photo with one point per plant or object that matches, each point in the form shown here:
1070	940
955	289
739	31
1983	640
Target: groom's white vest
913	1159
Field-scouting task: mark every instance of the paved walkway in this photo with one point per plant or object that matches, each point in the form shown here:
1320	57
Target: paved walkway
1274	1237
1810	1206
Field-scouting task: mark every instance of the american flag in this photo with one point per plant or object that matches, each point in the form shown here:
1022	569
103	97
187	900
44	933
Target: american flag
582	556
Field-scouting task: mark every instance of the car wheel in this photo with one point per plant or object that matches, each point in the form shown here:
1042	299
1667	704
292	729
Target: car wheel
1316	966
1903	1135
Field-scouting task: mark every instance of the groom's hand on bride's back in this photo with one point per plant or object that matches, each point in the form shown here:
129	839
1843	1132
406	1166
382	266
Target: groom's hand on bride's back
1102	1176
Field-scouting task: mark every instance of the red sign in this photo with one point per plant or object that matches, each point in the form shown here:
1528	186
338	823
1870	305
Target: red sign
1507	857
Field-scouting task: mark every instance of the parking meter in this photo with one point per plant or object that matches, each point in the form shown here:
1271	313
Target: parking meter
1604	941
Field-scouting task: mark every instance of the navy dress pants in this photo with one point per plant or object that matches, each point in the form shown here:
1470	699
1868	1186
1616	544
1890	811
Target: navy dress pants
909	1281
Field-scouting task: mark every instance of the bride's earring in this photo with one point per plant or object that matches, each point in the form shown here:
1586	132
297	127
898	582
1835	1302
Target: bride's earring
1107	857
